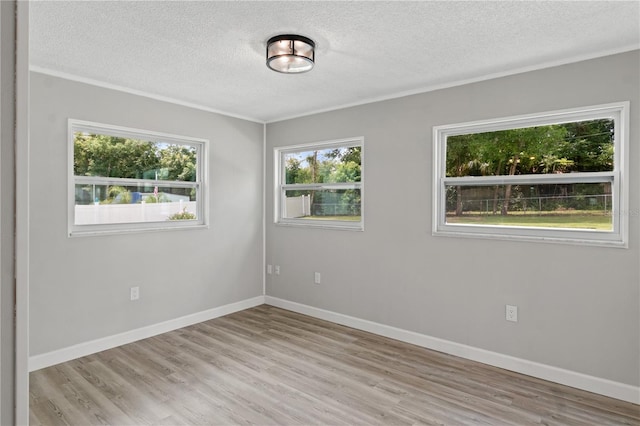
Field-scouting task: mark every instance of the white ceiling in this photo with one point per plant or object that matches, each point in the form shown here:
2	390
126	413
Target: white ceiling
212	54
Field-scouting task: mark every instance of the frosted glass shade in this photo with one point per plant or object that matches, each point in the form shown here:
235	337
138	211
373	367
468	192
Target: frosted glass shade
290	54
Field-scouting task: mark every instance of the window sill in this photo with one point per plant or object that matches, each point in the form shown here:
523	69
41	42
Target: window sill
321	224
581	241
124	231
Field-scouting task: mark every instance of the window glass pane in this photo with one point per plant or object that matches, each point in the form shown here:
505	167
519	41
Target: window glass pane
580	146
325	204
329	165
111	156
577	205
144	202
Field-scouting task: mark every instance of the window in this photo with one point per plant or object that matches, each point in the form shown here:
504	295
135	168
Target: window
320	184
558	176
129	180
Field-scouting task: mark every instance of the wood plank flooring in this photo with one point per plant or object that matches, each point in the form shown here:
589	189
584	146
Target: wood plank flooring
268	366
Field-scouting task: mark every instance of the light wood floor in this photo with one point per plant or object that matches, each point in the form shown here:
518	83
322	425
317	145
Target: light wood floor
268	366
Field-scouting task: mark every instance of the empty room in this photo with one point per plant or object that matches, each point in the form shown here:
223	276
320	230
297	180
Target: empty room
321	213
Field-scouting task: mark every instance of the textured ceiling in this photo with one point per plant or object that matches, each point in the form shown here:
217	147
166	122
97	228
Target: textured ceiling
211	54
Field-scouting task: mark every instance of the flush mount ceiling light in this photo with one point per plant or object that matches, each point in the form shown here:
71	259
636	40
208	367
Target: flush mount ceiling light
290	54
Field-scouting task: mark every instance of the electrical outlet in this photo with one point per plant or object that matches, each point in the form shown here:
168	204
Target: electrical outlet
511	313
276	269
134	293
269	269
316	277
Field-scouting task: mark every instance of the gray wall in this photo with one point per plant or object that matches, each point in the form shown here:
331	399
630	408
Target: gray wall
578	306
7	210
79	287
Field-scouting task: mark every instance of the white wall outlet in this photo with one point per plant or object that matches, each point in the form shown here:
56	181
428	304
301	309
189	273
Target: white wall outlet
134	293
277	269
316	277
269	269
511	313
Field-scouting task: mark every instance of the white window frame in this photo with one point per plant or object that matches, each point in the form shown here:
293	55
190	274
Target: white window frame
201	146
618	178
281	186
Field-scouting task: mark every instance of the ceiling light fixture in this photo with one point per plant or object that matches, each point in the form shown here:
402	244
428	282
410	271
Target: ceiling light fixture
290	54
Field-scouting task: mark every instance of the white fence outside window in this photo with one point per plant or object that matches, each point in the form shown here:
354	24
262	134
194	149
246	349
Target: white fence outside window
297	206
95	214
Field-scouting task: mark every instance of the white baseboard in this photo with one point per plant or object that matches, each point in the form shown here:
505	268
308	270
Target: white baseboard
574	379
87	348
